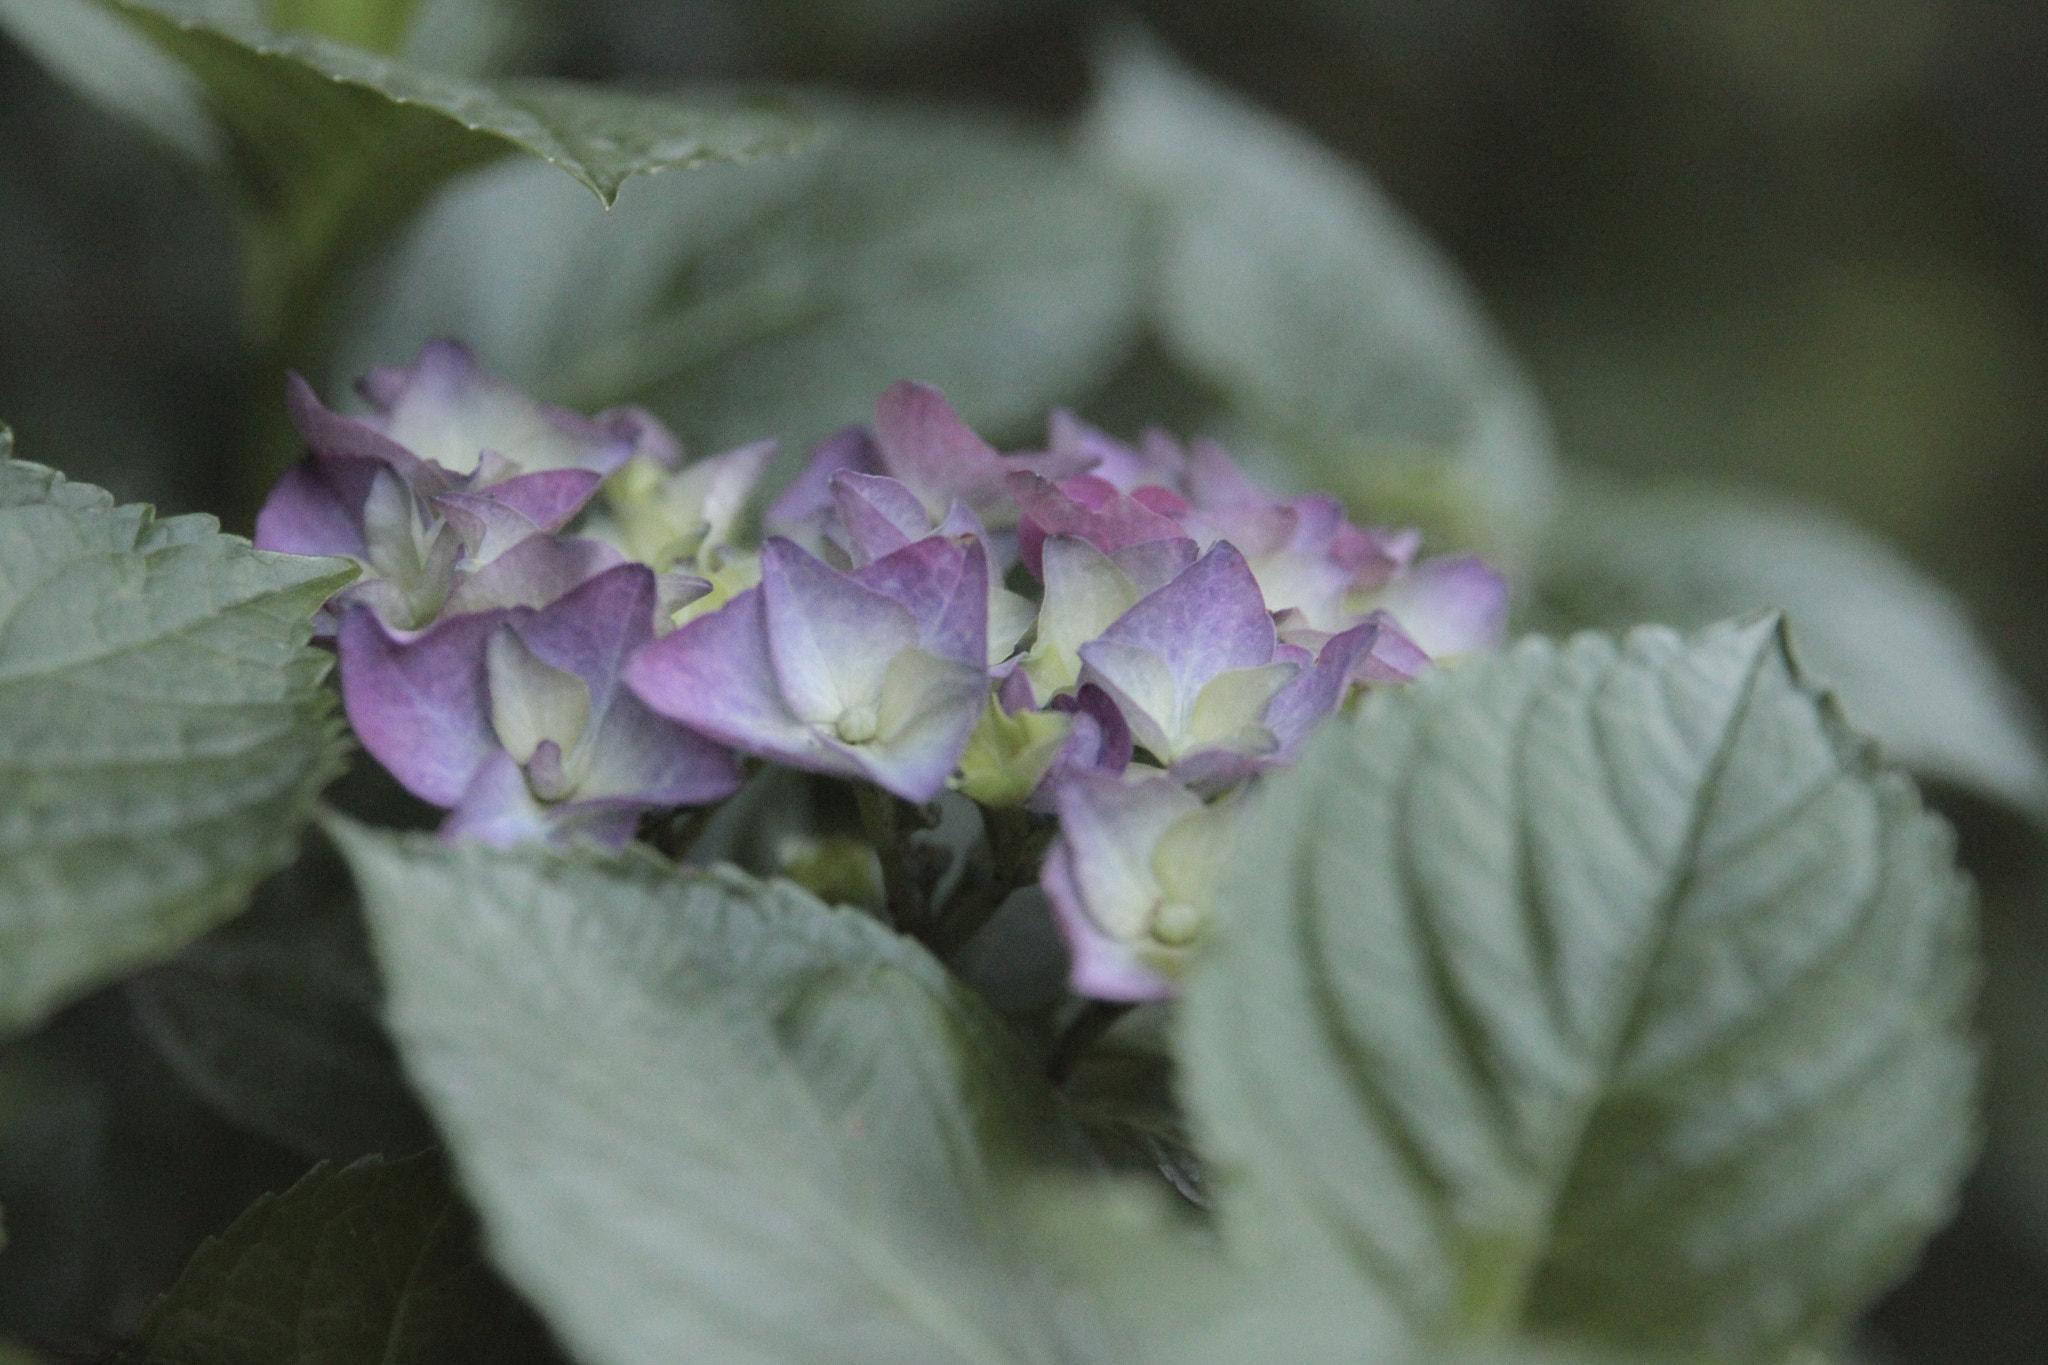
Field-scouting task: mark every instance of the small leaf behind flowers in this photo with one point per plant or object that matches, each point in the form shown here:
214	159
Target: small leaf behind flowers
374	1264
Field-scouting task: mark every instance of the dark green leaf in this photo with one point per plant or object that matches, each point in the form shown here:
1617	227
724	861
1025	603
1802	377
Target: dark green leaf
780	299
707	1118
162	730
1603	990
1896	646
274	1021
376	1264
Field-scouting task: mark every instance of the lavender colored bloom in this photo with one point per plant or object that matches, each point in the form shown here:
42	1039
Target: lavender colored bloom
877	516
1196	664
919	441
1086	590
879	673
1448	607
1132	879
518	719
448	495
1093	510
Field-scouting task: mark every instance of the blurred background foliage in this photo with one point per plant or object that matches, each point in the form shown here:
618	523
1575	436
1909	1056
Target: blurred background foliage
1788	247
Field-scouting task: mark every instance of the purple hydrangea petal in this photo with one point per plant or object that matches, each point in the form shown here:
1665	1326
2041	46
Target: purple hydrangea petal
647	435
421	707
446	409
716	676
633	753
497	807
944	582
1209	619
938	457
1089	508
1315	692
1393	656
1101	738
549	497
1110	829
487	527
929	708
592	630
334	439
1449	606
533	573
306	514
638	755
831	638
1099	967
877	514
1157	657
806	508
1155	563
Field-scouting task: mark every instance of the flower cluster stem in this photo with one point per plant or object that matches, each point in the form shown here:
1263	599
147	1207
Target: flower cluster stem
1095	1019
902	893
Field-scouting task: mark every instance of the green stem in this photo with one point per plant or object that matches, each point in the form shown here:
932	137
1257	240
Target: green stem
878	819
1096	1018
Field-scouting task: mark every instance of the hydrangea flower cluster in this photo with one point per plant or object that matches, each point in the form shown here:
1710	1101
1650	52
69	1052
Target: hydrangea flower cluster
557	630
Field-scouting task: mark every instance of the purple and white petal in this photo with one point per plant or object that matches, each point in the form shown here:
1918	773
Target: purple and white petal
716	676
944	583
1449	606
446	409
805	511
1100	967
877	515
421	707
831	639
536	571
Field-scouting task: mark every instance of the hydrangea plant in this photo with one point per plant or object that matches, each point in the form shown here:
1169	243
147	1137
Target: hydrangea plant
881	895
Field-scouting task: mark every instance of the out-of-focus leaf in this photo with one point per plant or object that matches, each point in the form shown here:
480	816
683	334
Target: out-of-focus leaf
1283	277
111	1172
114	66
1895	646
780	299
1604	990
375	1264
274	1021
164	730
707	1118
329	146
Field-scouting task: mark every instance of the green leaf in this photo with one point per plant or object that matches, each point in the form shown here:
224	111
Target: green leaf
780	299
329	146
1897	647
1604	990
1283	276
273	1020
376	1264
165	730
707	1118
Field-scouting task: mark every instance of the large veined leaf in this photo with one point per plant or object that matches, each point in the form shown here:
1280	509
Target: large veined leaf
707	1118
777	300
1894	645
1285	278
1603	990
162	730
374	1264
329	145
